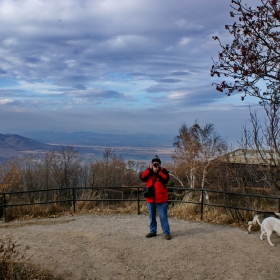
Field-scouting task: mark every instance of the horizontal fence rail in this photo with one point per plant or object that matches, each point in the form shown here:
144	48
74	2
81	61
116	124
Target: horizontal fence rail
231	200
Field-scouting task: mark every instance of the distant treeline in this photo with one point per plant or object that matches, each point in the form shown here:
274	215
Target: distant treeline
62	167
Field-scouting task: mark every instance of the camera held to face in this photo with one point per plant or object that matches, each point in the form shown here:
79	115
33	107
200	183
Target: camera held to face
155	165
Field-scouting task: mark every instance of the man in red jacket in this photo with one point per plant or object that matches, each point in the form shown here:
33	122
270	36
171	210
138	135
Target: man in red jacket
157	176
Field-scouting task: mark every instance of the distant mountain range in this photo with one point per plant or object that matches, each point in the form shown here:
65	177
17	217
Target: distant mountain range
140	147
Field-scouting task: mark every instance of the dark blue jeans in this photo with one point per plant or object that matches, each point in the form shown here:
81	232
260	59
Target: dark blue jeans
162	212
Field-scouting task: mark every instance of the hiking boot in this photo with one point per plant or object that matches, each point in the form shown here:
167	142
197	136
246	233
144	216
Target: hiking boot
148	235
167	237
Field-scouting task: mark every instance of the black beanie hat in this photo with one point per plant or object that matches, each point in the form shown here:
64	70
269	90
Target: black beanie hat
156	159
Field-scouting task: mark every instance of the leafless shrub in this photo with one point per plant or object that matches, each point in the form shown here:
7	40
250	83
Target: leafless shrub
14	264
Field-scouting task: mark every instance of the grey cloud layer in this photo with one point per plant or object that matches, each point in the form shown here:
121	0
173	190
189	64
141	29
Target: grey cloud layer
126	59
45	39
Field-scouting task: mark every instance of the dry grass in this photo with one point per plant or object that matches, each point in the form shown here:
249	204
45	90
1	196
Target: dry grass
35	211
191	212
110	208
14	264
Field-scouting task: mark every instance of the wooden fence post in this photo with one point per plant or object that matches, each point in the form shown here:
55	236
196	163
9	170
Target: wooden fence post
201	205
73	200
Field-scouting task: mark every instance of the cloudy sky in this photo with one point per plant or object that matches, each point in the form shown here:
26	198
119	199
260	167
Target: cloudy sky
114	66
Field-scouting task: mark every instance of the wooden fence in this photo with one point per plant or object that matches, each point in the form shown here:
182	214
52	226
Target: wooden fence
70	197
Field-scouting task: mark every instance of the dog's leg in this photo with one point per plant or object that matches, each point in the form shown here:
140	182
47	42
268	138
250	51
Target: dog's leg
269	233
277	215
249	227
262	234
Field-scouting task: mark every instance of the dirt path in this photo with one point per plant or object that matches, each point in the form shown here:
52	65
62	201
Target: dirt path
114	247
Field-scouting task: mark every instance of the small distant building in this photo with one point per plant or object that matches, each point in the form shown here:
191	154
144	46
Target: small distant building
251	157
252	170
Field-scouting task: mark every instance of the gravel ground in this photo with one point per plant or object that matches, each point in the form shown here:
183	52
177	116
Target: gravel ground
95	246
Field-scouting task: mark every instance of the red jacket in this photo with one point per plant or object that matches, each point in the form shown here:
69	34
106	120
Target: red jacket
161	192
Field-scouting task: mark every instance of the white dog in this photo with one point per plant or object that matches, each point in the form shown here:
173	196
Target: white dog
268	226
259	217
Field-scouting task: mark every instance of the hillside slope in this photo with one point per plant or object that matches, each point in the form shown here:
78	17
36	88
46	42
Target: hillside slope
20	143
